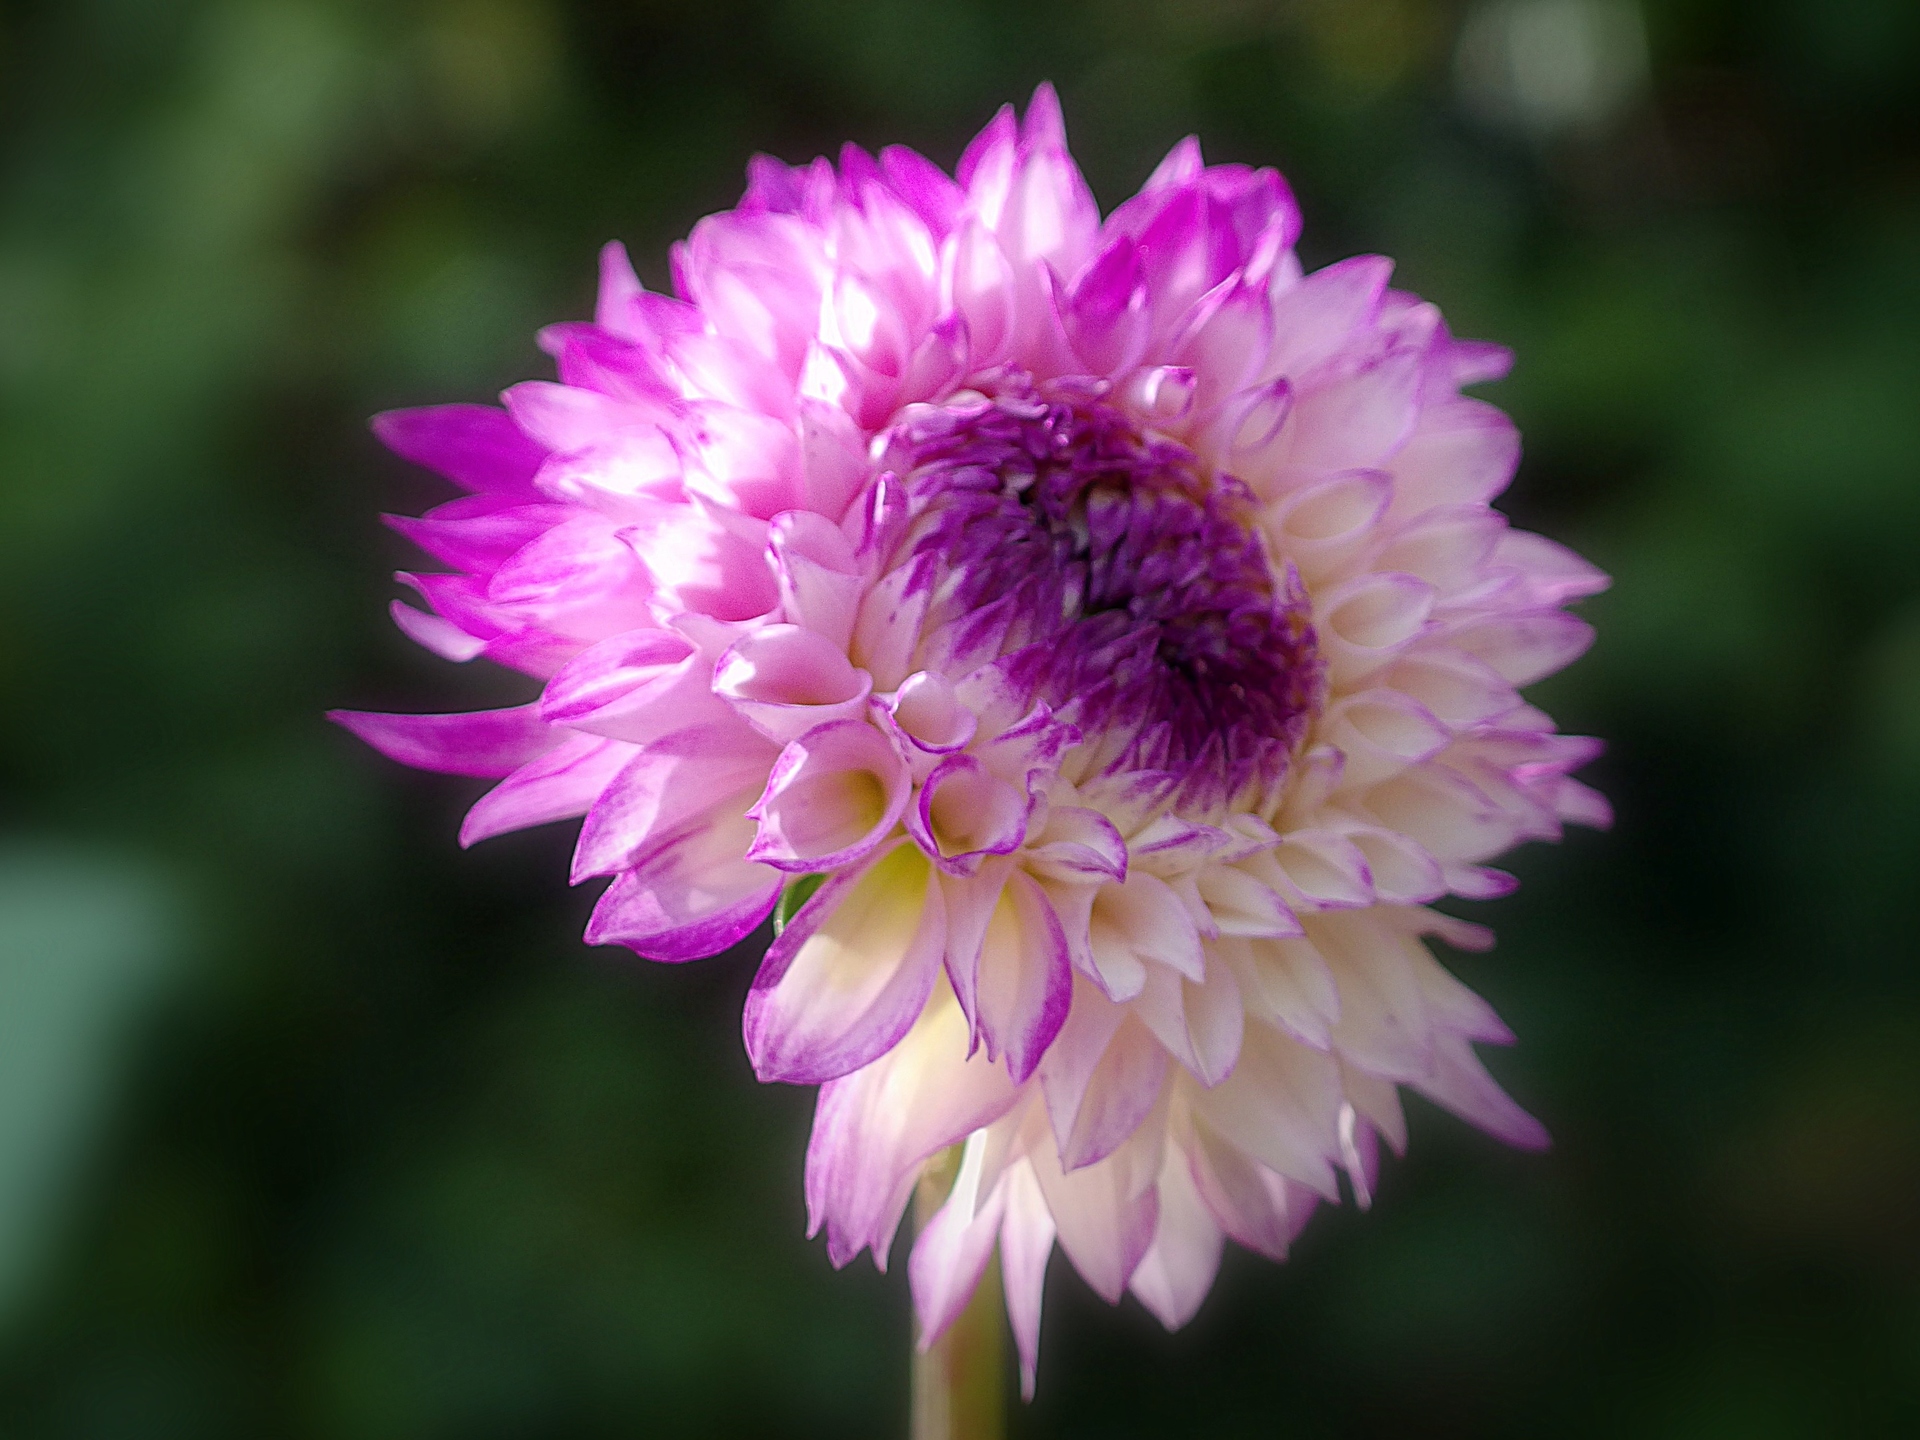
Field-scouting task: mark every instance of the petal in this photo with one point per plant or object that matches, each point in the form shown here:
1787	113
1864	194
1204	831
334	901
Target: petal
952	1249
819	577
1281	1106
1026	1244
1177	1271
1246	1199
1460	1083
833	796
1142	919
873	1129
1381	732
637	686
689	898
847	978
481	742
559	785
475	446
1286	984
1077	844
1022	981
1200	1023
1105	1213
965	812
785	679
1101	1077
670	785
1524	648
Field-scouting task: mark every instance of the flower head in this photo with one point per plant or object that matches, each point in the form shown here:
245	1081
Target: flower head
1100	634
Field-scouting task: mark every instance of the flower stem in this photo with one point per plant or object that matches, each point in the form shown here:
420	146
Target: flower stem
959	1382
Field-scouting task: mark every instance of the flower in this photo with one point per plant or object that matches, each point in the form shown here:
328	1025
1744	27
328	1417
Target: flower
1094	635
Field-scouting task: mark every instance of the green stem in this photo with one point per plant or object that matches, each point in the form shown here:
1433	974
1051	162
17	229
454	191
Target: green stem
959	1382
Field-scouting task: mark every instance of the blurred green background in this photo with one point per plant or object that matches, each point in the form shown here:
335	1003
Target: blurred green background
313	1126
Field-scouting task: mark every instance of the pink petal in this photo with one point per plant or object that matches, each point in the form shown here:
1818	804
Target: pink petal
1524	648
1313	319
668	785
482	742
1286	984
1105	1213
1200	1023
431	632
1022	981
691	897
1246	1199
475	446
965	813
1281	1106
1077	844
834	795
849	976
951	1252
1460	1083
820	578
1101	1076
784	680
559	785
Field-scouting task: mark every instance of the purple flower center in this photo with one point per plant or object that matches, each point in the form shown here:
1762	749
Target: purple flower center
1112	576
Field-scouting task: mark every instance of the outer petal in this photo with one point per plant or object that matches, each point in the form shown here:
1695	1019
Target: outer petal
482	742
1178	1268
873	1129
1106	1213
473	445
1026	1244
559	785
691	897
951	1251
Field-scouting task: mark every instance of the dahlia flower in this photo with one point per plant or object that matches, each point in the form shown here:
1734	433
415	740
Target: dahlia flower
1094	636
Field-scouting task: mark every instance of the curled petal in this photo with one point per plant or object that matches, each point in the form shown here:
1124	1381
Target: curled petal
1381	732
965	813
664	788
927	714
1077	844
833	796
819	576
785	679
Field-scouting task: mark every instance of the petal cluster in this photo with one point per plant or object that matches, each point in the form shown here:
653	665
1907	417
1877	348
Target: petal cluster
1097	632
